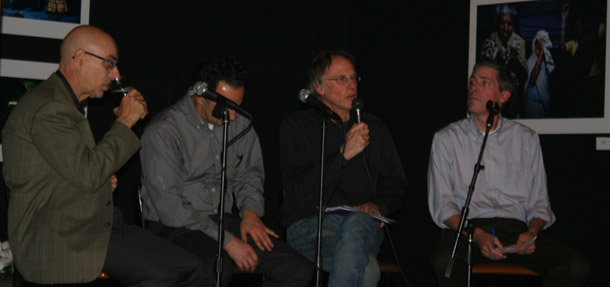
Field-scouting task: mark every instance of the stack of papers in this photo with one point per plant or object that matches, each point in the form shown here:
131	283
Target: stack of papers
344	209
512	249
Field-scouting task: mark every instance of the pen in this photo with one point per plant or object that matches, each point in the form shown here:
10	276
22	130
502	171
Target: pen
493	241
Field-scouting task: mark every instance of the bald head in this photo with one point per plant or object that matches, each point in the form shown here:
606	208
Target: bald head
85	38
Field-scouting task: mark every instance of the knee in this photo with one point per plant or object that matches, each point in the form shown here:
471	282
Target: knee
303	273
363	223
579	267
439	260
197	272
363	230
160	277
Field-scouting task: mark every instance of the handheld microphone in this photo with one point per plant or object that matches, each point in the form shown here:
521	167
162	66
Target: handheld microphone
201	89
306	97
492	107
357	105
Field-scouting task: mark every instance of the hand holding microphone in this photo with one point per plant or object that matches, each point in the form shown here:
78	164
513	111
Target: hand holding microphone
357	137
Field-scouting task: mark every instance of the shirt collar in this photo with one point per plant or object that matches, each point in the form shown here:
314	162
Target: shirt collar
476	130
186	105
71	92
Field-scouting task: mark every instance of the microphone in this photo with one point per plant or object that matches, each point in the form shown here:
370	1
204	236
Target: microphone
201	89
357	104
306	97
492	107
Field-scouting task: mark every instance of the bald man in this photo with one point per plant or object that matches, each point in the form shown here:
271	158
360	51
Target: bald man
63	227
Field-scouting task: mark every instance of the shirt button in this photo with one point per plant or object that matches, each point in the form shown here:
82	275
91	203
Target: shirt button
107	224
108	202
213	189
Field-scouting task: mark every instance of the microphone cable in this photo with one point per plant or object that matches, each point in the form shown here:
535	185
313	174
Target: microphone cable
242	133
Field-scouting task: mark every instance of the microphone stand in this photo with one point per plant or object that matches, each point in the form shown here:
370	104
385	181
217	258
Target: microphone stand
223	180
320	208
477	167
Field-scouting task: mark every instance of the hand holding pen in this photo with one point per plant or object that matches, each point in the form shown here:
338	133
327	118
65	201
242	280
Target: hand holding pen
489	244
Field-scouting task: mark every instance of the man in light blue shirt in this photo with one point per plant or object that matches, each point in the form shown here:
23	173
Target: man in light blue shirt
510	196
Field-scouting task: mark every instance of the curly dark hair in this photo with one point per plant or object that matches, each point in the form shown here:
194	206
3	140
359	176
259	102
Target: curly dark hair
222	68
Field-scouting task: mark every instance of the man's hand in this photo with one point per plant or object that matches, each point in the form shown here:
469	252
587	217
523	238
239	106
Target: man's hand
242	254
524	237
535	226
132	108
252	225
370	208
114	181
488	244
357	139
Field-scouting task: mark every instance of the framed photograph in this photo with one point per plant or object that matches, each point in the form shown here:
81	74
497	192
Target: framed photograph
16	78
556	51
26	69
43	18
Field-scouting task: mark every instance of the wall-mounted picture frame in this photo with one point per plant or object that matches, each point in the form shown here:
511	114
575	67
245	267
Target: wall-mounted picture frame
16	78
557	52
26	69
45	19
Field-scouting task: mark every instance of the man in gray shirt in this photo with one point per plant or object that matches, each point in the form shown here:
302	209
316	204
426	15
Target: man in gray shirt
181	182
510	203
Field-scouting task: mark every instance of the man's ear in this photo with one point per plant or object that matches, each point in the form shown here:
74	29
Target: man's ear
319	89
78	57
505	97
200	100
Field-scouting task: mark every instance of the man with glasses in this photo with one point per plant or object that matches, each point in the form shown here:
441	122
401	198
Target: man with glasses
63	226
361	170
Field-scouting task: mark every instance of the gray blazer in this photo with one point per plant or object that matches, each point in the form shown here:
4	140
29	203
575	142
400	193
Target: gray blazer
60	209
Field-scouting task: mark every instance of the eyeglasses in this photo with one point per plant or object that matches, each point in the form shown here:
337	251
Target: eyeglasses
343	80
111	63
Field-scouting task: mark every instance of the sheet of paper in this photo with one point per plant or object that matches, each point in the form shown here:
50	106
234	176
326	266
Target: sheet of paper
343	209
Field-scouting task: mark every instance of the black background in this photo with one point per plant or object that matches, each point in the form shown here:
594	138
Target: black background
413	60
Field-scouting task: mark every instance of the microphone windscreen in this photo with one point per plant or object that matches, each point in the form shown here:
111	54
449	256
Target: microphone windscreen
357	103
492	107
303	95
198	89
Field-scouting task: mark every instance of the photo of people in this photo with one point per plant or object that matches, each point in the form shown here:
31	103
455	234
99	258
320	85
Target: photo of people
68	11
555	51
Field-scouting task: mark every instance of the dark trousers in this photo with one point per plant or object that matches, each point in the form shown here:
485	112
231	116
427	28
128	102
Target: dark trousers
559	264
282	266
136	257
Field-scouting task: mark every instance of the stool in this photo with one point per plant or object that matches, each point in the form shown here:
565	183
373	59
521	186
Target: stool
501	268
504	274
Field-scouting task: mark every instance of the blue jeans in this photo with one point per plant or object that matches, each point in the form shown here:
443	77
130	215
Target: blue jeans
350	244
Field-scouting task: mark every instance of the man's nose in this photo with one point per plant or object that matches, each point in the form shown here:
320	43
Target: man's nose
352	83
114	72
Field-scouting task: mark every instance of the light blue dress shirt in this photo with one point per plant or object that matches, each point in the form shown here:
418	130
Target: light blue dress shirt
512	184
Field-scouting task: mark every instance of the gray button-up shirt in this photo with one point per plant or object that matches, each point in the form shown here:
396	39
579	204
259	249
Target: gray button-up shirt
512	185
181	169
